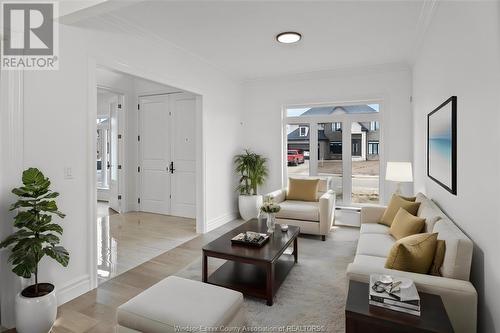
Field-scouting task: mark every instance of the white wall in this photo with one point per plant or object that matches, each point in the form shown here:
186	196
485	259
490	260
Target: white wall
461	56
56	134
221	100
264	100
11	144
55	118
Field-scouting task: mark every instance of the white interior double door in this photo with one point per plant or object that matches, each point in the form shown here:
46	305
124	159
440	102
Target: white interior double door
167	154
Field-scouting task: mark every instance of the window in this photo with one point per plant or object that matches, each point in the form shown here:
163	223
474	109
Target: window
332	110
102	120
297	149
373	147
315	141
330	155
374	125
336	147
365	164
356	145
336	127
103	153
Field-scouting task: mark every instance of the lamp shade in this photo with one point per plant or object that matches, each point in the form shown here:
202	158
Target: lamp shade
399	172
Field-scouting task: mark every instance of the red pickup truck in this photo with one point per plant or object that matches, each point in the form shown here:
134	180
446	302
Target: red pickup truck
295	157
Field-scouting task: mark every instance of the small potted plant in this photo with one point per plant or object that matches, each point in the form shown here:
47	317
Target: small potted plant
253	172
36	237
270	208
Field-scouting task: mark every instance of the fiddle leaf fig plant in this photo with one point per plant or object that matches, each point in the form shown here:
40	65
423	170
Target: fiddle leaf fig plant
37	236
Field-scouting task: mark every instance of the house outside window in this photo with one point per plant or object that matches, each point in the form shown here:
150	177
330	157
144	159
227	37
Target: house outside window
356	145
373	147
355	172
336	147
336	127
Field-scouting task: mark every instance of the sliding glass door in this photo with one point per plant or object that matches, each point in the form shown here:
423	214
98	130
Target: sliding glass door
342	142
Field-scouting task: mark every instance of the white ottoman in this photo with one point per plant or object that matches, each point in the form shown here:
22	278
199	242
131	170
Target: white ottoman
176	305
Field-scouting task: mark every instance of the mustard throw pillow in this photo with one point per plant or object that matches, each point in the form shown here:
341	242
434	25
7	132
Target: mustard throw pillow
414	253
302	189
393	207
438	258
412	199
405	224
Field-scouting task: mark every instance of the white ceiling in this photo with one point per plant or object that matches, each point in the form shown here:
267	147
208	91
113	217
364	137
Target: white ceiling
238	37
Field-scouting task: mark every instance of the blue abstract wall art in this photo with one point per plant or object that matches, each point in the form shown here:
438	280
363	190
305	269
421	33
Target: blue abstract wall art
442	145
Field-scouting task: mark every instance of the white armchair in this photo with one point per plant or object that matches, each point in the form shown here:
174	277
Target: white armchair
313	217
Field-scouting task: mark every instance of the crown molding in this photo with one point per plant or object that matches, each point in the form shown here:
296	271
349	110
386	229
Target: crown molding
113	23
335	72
72	12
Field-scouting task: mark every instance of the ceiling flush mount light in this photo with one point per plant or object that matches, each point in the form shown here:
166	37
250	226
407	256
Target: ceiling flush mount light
288	37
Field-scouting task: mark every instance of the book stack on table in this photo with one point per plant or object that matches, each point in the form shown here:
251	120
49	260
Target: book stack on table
393	293
250	238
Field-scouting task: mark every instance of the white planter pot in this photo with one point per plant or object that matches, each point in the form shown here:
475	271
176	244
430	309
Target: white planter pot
249	206
36	314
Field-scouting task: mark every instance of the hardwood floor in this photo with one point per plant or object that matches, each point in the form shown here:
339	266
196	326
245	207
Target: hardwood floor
95	310
136	250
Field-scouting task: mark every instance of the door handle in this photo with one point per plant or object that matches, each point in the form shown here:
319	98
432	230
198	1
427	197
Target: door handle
172	167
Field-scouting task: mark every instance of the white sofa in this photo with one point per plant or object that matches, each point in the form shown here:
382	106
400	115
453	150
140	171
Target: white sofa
313	217
458	294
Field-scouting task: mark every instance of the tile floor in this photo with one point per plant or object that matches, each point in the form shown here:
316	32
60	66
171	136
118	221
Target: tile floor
127	240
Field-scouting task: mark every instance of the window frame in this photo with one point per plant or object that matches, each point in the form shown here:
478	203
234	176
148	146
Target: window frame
374	126
373	144
346	121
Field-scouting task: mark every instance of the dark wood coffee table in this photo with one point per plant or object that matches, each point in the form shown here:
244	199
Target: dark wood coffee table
257	272
363	317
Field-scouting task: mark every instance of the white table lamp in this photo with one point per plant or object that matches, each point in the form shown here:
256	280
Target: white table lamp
399	172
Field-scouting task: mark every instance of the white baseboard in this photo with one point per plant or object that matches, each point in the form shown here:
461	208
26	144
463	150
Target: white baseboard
221	220
73	288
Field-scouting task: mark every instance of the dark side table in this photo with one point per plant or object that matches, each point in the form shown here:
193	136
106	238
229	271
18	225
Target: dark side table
363	317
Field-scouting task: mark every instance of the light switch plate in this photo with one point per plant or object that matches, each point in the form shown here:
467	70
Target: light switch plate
68	173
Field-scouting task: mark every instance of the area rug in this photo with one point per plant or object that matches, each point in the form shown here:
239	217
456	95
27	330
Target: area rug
312	298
